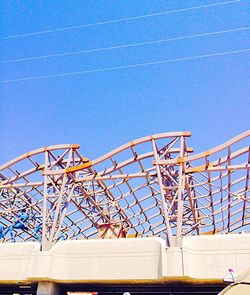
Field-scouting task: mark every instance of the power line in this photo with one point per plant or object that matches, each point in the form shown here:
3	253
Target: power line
128	66
121	46
118	20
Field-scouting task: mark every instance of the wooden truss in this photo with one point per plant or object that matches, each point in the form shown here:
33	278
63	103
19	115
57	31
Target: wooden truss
149	187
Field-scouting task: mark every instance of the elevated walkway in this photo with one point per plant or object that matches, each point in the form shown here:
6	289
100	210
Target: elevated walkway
202	260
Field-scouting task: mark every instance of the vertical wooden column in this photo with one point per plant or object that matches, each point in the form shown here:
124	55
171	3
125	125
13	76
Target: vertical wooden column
44	211
164	205
180	194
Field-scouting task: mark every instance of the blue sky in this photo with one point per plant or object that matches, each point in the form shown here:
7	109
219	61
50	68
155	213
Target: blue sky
102	110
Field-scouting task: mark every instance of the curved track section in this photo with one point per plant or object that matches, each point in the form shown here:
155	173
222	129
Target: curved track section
152	186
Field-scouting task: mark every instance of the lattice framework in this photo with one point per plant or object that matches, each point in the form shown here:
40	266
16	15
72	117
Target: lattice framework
152	186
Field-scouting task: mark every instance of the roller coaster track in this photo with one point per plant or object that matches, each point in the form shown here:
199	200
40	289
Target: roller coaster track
151	186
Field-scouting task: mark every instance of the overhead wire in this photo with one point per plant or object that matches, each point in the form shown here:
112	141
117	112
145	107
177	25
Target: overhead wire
122	46
128	66
118	20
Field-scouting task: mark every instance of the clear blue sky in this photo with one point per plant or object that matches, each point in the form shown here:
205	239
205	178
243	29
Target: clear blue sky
102	110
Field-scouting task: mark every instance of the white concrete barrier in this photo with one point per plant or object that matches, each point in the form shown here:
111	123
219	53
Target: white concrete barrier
201	257
15	260
211	256
111	259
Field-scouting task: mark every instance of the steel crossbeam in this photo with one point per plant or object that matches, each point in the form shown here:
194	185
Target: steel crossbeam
150	186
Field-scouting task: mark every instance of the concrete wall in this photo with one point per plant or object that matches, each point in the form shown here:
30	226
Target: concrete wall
125	259
15	259
100	259
212	256
172	262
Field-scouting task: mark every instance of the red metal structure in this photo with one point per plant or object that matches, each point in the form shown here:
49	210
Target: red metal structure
152	186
